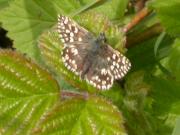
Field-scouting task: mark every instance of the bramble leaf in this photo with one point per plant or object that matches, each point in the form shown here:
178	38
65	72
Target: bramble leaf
93	116
168	13
4	3
27	92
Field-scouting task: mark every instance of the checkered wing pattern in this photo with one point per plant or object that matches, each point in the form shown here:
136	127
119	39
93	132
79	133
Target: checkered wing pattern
118	64
73	57
70	32
75	40
99	75
110	65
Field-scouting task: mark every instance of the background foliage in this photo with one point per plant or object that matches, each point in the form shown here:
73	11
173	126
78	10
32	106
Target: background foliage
38	95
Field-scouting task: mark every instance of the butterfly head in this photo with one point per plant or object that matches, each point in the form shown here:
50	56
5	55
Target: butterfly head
101	38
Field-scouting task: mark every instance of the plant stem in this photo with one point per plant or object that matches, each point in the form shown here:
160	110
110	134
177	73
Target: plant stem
152	31
66	94
140	4
137	18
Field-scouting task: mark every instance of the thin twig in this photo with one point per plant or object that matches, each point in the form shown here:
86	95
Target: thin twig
139	4
152	31
66	94
137	18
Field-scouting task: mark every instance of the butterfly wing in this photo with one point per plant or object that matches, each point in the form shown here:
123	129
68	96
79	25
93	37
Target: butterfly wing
99	74
76	43
108	66
118	64
73	57
70	32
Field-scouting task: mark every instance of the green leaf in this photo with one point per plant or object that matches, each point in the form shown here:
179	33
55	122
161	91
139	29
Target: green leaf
168	86
171	64
174	61
27	92
137	104
158	42
4	3
165	91
177	127
113	9
93	116
136	91
25	25
87	5
168	13
166	105
51	47
142	55
165	88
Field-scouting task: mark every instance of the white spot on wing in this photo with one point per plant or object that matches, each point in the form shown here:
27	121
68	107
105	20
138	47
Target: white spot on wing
114	56
71	40
67	39
72	34
62	40
123	60
76	30
67	31
80	39
61	24
62	27
108	58
74	51
104	87
66	20
114	63
117	65
104	82
60	35
66	57
112	67
73	62
103	71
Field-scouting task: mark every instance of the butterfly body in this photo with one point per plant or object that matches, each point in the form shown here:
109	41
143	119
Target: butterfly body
89	57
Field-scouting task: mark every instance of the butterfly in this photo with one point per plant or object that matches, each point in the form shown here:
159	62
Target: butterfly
90	57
